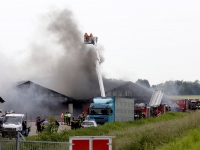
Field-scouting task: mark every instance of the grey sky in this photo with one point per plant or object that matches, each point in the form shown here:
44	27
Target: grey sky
154	40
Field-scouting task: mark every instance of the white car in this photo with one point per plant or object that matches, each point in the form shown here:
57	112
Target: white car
89	123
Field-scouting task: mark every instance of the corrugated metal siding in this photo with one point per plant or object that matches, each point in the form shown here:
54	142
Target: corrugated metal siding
124	109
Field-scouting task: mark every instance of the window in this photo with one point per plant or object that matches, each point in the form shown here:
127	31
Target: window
88	123
13	119
105	111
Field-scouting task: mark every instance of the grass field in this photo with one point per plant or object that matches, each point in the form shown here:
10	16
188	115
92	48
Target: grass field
145	134
190	142
184	96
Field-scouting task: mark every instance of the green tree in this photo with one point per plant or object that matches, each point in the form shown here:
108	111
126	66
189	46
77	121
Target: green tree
179	87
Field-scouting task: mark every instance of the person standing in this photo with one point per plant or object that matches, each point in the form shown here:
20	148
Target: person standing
83	116
66	117
57	125
24	128
69	118
44	124
62	117
38	123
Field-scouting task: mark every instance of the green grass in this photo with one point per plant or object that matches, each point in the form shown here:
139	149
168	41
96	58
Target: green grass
144	134
190	142
184	96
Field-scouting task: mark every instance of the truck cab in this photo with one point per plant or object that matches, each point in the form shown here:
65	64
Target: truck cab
14	121
102	110
111	109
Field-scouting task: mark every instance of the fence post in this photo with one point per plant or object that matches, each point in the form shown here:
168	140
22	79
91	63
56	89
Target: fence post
18	141
0	145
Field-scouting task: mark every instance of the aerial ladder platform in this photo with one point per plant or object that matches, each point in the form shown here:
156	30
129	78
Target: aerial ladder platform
90	39
156	98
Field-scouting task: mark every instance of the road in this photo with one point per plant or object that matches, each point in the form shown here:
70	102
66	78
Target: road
61	127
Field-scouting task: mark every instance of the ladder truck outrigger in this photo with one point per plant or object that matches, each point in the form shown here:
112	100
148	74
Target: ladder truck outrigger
107	109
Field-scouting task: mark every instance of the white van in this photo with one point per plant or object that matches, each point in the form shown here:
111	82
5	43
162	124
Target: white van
14	121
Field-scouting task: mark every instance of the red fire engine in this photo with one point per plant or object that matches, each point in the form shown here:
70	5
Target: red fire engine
187	104
143	111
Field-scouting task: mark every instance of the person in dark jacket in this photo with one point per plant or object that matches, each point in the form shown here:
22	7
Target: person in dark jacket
24	130
38	123
57	124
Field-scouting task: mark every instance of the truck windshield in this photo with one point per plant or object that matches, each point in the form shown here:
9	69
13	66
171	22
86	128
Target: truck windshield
13	119
105	111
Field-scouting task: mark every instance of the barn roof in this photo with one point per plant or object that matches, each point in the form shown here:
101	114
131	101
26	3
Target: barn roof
42	90
128	89
133	90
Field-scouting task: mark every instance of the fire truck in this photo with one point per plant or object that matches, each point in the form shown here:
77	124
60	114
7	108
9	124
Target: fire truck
144	111
157	108
187	104
182	103
141	111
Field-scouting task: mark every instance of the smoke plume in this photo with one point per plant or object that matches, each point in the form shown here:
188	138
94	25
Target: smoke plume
59	61
73	70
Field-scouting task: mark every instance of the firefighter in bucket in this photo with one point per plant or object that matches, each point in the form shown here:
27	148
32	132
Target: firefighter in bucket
89	39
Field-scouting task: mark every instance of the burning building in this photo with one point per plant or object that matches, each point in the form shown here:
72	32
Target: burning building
34	99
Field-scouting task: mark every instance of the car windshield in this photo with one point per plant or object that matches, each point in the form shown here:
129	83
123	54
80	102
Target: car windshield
88	123
13	119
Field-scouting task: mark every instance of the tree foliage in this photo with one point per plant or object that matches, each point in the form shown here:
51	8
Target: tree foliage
179	87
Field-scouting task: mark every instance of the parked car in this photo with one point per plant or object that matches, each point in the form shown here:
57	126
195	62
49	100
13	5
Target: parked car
89	123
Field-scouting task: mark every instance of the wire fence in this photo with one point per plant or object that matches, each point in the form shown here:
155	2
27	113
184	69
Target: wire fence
33	145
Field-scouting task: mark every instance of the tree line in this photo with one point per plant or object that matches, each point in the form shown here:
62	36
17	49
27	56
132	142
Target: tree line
177	87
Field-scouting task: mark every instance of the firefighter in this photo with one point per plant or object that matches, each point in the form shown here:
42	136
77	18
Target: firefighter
83	117
72	124
86	37
91	35
69	118
76	124
66	118
62	117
